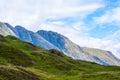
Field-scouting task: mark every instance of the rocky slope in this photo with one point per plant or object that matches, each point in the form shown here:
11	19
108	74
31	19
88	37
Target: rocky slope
5	30
33	38
77	52
53	40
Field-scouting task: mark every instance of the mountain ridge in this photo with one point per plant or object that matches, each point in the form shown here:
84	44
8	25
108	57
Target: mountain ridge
53	40
71	48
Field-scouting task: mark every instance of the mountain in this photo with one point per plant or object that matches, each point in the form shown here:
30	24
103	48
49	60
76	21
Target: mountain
33	38
77	52
63	43
25	35
21	60
5	30
53	40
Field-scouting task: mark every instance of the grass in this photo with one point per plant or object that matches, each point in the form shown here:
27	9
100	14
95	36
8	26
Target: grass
13	73
24	61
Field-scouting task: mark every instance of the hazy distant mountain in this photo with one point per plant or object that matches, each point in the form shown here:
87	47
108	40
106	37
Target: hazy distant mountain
50	40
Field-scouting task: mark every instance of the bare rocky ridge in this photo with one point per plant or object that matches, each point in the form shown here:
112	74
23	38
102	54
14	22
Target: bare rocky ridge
53	40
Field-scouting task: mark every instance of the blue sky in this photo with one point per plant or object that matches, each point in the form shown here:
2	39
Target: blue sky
89	23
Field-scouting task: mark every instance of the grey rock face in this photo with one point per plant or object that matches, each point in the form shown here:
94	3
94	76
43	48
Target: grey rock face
53	40
33	38
71	49
5	30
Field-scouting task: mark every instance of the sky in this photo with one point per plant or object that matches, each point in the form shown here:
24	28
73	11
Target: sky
88	23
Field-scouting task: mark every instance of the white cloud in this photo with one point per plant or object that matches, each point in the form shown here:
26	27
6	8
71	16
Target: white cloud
110	17
31	12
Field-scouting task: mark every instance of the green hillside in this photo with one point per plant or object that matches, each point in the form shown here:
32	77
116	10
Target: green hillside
23	61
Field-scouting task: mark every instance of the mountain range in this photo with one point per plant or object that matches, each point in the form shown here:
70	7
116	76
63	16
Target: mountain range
54	40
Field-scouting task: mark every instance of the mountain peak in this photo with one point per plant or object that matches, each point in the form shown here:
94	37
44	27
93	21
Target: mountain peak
50	32
53	37
20	27
54	40
6	30
2	24
71	49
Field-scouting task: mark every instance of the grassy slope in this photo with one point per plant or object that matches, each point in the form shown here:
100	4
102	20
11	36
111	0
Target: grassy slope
23	61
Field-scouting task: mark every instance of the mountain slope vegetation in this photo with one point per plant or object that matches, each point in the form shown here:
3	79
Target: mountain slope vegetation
53	40
24	61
